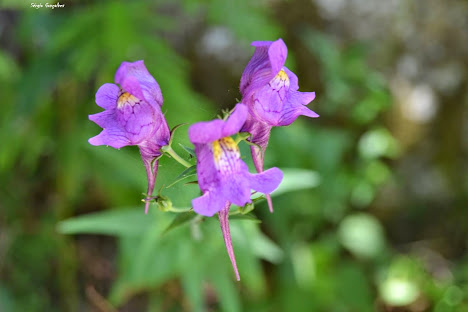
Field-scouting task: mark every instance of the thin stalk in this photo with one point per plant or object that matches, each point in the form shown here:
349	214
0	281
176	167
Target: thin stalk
167	149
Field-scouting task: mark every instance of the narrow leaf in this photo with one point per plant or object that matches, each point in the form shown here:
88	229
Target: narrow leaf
189	150
190	171
122	222
174	130
297	179
180	219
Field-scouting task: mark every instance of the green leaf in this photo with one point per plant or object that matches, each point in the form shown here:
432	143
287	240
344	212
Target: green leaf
190	171
180	219
189	150
122	222
247	217
263	247
192	283
139	253
174	130
297	179
109	167
224	285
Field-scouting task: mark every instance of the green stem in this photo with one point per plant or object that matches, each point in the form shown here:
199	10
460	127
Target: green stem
167	149
179	210
241	136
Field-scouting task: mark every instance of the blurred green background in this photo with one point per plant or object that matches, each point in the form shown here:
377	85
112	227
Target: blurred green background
373	211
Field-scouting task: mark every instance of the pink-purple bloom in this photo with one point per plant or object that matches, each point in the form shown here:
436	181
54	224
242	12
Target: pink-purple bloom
270	90
222	176
133	116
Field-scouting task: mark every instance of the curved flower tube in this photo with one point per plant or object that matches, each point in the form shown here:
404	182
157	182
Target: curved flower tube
270	90
132	116
222	176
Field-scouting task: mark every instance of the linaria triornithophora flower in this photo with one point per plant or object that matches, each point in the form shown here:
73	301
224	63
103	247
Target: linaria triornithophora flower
222	176
133	116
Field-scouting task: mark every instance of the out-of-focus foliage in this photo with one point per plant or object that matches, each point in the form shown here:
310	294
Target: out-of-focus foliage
372	213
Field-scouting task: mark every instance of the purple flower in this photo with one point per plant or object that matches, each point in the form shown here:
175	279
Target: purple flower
133	116
222	176
270	90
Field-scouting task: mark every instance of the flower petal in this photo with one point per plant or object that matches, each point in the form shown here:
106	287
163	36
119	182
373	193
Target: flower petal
205	131
304	97
295	107
289	116
150	89
162	135
257	72
267	181
208	204
207	174
107	95
266	62
210	131
277	53
259	44
105	119
112	136
140	121
132	86
236	188
293	81
235	122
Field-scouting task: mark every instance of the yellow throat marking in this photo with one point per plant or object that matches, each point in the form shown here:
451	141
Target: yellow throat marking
226	153
282	76
126	98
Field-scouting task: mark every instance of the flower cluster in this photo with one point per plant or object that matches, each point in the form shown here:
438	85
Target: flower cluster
270	98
